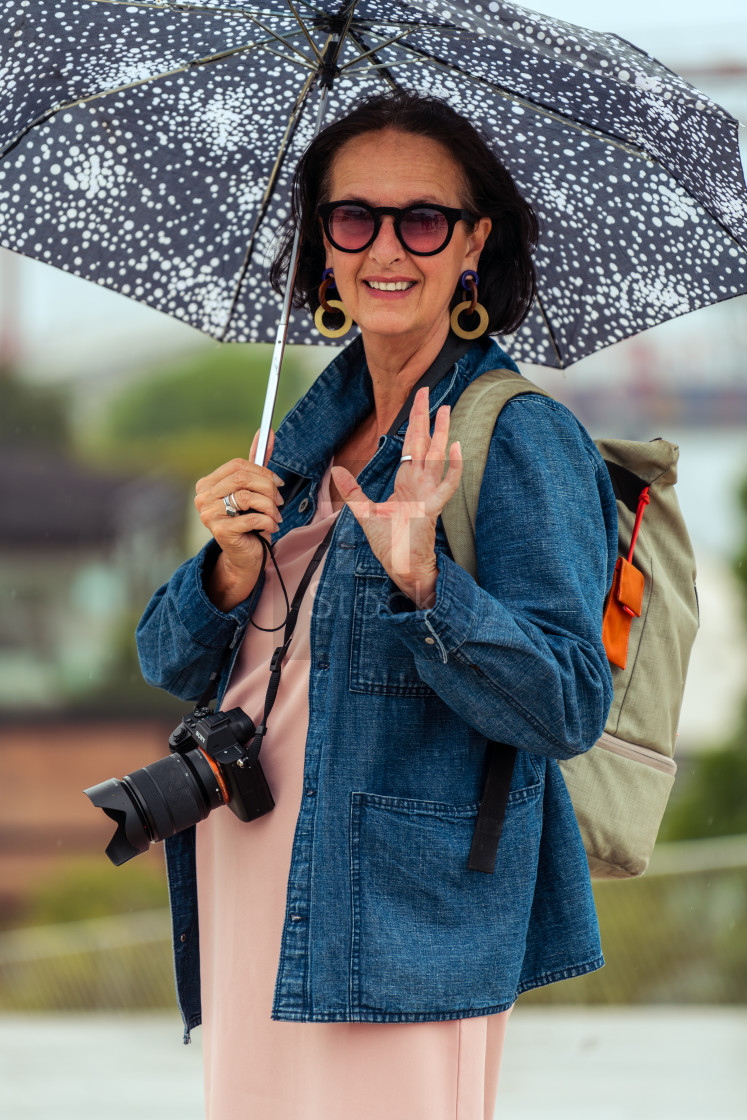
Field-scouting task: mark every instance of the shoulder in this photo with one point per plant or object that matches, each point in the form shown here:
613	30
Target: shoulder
544	432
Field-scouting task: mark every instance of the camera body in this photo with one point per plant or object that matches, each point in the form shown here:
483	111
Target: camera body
221	736
208	766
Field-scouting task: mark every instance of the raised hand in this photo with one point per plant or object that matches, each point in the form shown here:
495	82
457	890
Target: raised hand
402	530
252	487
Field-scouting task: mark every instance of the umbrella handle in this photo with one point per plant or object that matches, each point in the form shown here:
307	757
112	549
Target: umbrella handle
282	332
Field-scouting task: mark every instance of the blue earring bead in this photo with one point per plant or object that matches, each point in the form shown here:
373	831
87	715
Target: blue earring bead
468	276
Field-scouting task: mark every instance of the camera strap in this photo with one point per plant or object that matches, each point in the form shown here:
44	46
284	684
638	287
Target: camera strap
276	661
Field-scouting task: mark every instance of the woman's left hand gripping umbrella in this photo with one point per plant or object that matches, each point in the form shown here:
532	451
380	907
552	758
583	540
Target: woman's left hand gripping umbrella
402	530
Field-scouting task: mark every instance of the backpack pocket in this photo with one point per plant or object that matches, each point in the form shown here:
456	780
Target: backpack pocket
619	792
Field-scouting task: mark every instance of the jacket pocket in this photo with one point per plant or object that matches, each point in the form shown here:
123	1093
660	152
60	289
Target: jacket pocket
379	662
430	937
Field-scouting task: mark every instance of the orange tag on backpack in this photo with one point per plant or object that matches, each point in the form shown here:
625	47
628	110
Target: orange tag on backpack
624	604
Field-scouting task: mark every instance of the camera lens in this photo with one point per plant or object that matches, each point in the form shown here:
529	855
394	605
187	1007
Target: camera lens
156	801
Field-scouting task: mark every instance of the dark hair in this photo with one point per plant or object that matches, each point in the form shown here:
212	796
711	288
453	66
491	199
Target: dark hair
507	276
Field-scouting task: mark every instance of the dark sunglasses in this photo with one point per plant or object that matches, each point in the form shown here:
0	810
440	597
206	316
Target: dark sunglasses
422	229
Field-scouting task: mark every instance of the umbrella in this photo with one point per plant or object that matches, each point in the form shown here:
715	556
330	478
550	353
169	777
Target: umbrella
149	147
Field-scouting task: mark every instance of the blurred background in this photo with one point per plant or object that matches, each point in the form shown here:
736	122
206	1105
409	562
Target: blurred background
108	414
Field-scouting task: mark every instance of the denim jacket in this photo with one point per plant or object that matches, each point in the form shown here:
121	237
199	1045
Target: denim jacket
384	921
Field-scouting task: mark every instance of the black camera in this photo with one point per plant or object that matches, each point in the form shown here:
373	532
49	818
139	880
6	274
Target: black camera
208	767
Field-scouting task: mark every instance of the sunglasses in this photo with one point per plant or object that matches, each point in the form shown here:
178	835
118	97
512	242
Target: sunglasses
421	229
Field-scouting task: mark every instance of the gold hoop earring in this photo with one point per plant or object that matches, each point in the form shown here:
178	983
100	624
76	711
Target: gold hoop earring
331	306
469	281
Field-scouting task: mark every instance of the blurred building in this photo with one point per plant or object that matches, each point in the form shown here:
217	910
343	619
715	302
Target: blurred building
80	551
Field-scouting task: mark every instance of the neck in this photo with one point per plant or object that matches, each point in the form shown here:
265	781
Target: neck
395	365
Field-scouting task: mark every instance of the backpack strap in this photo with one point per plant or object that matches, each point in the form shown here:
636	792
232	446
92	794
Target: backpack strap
473	420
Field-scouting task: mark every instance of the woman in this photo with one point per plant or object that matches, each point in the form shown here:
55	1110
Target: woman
352	964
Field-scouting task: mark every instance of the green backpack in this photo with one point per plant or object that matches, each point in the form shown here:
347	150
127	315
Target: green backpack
620	787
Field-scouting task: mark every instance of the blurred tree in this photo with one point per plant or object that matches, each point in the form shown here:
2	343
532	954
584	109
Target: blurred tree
90	888
32	414
740	560
188	417
713	797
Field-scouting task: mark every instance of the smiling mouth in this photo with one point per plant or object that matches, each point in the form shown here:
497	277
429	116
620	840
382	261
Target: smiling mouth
391	286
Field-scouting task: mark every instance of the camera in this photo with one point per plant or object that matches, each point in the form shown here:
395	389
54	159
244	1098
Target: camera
208	766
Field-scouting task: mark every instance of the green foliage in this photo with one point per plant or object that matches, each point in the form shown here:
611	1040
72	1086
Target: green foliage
666	939
187	418
32	414
94	888
740	560
712	795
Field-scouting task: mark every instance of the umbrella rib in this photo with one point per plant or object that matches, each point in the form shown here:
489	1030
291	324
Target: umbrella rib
166	6
533	106
361	44
379	47
386	65
227	11
303	27
551	333
293	120
142	81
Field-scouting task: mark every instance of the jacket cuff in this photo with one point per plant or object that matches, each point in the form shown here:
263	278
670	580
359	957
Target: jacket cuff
435	633
205	622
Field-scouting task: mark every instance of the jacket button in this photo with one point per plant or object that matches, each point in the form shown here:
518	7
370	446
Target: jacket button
304	505
430	641
183	938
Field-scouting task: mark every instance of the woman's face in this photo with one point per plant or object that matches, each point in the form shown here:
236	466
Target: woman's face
391	168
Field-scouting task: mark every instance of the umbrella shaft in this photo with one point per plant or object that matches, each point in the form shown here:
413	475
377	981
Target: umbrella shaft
282	331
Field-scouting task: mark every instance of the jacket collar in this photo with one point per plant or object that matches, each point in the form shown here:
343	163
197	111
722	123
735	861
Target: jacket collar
341	398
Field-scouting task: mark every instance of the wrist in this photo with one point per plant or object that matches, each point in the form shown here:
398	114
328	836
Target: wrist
420	588
225	586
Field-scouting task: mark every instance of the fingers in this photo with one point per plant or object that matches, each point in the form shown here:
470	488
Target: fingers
417	436
437	450
253	488
427	451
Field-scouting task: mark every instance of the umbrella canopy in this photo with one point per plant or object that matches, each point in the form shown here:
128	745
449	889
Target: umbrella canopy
149	146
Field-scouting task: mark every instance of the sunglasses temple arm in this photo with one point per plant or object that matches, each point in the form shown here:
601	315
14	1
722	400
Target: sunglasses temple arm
273	379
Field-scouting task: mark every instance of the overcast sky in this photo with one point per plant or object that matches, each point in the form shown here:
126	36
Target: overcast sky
66	321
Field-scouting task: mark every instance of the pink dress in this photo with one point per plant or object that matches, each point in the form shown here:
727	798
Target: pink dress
260	1069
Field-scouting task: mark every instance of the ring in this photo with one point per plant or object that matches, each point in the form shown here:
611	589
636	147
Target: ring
406	459
232	508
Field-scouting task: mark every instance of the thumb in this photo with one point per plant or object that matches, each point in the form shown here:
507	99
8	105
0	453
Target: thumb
351	492
270	445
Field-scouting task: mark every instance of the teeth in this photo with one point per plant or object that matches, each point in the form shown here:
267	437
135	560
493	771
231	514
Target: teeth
394	286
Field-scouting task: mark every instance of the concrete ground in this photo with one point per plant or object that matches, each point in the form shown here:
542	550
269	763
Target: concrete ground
678	1063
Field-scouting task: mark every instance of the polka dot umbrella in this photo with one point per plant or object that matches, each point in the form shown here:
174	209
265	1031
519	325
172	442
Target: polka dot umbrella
148	146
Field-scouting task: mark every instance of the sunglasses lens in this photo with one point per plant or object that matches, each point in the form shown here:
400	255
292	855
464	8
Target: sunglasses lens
351	227
423	230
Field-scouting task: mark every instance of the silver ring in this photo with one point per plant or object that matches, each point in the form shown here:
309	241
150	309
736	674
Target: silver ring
406	459
231	506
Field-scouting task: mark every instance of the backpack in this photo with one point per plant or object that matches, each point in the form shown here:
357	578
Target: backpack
620	787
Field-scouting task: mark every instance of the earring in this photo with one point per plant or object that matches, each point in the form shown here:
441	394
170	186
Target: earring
332	306
469	281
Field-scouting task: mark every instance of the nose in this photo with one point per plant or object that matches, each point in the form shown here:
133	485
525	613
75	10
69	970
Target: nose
386	246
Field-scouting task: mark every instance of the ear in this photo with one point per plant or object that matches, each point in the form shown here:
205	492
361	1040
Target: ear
476	241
